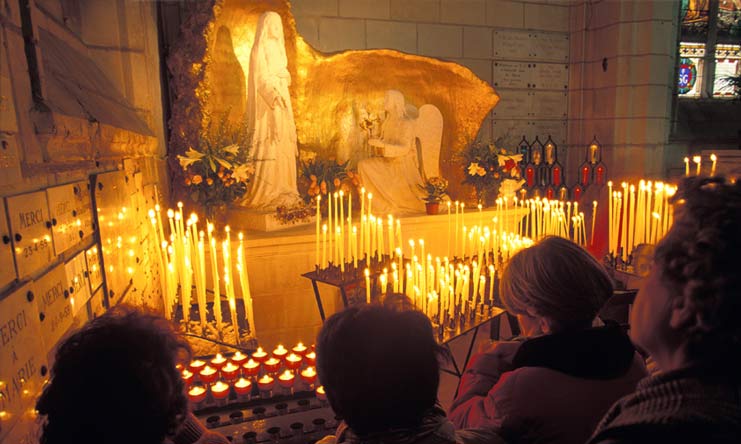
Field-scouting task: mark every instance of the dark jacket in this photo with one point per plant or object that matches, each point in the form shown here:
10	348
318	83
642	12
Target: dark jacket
684	406
549	389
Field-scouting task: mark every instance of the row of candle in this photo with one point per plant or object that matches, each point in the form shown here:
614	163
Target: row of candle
243	387
638	218
697	160
544	217
182	261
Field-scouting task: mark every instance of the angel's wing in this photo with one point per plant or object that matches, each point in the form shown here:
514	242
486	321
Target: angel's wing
429	132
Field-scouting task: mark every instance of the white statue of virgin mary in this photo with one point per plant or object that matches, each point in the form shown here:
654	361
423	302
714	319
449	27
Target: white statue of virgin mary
270	117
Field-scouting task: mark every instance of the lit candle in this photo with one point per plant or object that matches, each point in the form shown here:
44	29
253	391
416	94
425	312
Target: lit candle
320	393
594	217
197	394
714	159
311	358
260	355
230	371
272	365
286	379
300	349
280	352
266	383
208	374
367	287
239	358
218	361
197	365
318	223
251	368
686	167
293	361
243	386
187	376
698	163
308	375
220	390
324	246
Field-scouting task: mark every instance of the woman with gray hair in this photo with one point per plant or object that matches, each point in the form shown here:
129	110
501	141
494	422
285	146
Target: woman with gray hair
554	385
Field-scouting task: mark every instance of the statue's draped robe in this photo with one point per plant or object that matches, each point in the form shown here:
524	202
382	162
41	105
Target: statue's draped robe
274	131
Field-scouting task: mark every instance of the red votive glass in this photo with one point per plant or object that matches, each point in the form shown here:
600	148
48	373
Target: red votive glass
208	374
187	376
265	383
320	394
272	365
300	349
308	375
293	361
251	368
197	365
311	358
220	390
286	379
197	394
239	358
243	386
218	361
260	355
280	352
230	372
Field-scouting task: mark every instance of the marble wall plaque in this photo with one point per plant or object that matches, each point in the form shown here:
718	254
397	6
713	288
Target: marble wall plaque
115	225
550	104
512	44
7	271
549	46
554	128
511	131
512	75
71	216
77	279
94	267
54	305
10	164
97	304
30	226
513	104
550	76
22	355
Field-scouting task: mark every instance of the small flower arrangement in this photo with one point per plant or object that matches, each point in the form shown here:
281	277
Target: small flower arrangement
434	189
219	170
294	214
486	167
325	177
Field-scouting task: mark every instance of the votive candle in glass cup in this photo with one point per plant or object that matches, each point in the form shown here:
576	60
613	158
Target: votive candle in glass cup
308	376
220	392
265	384
208	374
311	358
243	387
286	379
320	393
272	365
239	358
260	355
196	366
230	372
251	368
218	361
280	352
293	361
300	349
188	376
197	394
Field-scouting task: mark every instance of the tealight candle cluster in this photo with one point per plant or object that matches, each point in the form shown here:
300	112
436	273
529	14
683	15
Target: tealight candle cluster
187	256
637	215
239	377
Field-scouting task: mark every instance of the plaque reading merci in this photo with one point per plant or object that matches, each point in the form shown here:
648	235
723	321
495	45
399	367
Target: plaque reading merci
30	231
23	366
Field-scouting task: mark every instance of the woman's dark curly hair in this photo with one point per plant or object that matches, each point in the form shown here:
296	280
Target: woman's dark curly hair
114	381
699	260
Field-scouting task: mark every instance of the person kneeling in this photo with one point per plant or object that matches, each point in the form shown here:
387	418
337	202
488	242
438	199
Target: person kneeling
380	369
556	384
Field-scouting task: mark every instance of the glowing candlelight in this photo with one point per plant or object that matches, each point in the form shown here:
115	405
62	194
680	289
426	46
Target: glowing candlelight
197	365
187	376
239	358
272	365
266	383
293	361
220	390
686	167
367	287
230	371
714	159
197	394
300	349
318	223
324	246
280	352
698	162
208	374
286	379
320	393
218	361
260	355
311	358
243	386
251	368
594	217
308	375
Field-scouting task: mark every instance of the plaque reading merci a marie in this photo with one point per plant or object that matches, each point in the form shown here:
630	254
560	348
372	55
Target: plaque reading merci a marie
54	304
22	356
30	229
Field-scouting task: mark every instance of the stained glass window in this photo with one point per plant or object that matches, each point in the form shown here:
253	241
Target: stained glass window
689	78
729	20
727	58
695	19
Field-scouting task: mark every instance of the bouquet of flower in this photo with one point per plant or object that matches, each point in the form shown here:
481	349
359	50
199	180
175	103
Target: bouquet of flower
219	170
486	167
324	177
434	188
